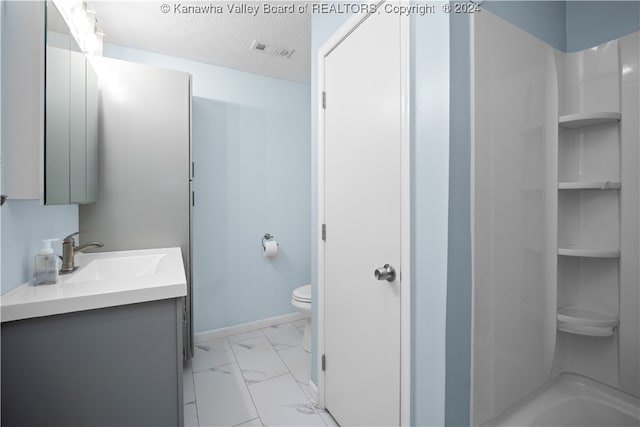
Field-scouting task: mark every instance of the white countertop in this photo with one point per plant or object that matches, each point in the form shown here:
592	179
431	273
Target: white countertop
70	294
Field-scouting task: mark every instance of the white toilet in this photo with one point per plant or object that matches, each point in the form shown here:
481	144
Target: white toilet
301	300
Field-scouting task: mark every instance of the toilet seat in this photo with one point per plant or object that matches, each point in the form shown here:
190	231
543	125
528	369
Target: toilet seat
302	294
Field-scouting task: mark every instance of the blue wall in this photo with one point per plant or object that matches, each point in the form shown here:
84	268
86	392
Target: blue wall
590	23
545	20
458	342
24	224
570	26
251	151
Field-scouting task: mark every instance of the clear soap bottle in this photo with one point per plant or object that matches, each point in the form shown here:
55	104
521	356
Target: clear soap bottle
46	265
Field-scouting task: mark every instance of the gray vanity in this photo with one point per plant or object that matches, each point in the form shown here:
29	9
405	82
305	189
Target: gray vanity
95	349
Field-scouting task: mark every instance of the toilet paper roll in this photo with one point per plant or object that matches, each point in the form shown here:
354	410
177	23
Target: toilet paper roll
270	248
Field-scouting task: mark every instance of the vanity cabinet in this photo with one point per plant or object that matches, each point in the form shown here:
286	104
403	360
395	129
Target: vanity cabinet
114	366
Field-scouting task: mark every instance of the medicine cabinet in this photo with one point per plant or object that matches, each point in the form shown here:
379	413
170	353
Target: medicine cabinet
71	117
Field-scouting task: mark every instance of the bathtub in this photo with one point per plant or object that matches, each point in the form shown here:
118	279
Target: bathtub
573	400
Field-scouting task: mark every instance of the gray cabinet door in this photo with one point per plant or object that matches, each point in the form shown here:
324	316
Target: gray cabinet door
144	197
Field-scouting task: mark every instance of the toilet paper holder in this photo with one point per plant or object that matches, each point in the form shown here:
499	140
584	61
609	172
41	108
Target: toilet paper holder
267	236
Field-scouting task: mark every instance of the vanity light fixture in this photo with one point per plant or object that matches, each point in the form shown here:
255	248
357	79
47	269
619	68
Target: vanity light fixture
83	24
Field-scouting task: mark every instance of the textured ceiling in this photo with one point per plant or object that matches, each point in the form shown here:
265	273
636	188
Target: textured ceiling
216	35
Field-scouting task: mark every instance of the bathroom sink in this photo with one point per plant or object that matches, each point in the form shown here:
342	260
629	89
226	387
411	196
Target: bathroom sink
103	279
119	267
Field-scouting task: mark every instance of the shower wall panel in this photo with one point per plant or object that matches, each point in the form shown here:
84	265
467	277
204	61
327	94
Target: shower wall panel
629	332
514	170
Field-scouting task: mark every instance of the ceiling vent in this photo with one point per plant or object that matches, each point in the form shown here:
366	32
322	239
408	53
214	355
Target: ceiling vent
271	50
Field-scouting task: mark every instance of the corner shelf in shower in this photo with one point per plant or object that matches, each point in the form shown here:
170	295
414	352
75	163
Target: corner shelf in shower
588	253
584	322
580	120
589	185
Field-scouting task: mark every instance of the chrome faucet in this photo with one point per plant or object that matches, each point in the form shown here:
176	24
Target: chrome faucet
69	251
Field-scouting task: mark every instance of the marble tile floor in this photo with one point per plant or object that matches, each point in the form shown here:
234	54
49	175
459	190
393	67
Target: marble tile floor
258	378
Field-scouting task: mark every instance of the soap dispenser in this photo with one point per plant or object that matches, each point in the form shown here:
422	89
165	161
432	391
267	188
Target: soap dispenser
46	265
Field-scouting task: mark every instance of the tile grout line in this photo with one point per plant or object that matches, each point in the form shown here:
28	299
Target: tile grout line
230	346
313	405
195	396
246	339
272	377
269	339
269	379
245	381
252	419
285	363
195	402
213	368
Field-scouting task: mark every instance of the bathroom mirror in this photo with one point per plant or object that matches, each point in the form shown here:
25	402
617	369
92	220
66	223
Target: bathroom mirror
71	117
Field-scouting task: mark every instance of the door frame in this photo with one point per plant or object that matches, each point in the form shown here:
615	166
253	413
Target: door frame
405	200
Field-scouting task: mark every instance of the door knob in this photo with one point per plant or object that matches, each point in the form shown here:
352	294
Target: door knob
386	272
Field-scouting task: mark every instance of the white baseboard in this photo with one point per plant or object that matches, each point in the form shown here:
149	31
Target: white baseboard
246	327
313	389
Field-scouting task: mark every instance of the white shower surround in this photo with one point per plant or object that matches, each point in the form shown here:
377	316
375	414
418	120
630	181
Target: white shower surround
514	133
516	229
572	400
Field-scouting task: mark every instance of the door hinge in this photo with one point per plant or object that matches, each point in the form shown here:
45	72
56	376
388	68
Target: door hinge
324	363
324	99
193	198
184	314
324	232
193	169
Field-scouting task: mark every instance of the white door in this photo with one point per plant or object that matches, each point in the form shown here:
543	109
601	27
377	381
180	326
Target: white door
363	125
